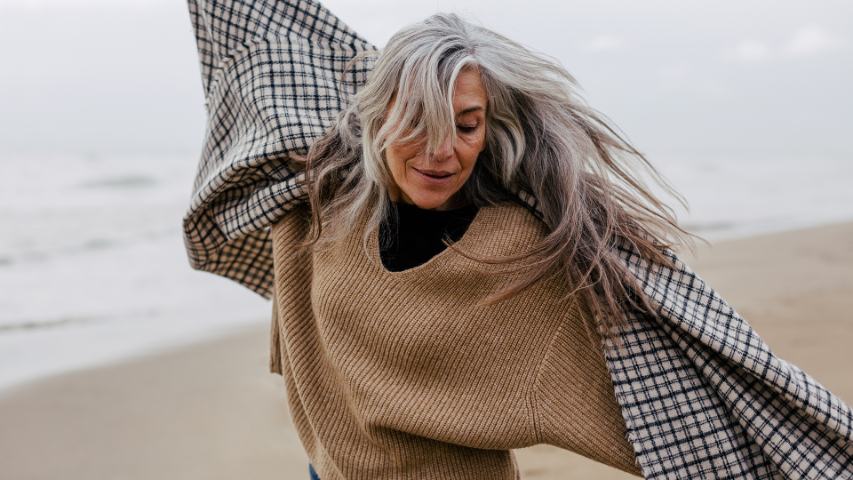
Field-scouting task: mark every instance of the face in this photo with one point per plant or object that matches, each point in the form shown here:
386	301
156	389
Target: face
434	183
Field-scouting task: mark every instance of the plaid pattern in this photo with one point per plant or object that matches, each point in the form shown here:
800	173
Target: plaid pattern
702	395
274	79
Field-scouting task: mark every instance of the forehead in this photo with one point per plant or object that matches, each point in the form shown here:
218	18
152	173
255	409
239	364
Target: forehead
469	91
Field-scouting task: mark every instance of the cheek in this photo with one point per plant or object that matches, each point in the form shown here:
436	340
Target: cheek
472	148
399	154
395	159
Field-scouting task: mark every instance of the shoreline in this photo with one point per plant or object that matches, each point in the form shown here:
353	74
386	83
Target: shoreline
185	338
211	409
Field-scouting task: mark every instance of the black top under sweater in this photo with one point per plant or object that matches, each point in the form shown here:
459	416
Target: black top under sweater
419	233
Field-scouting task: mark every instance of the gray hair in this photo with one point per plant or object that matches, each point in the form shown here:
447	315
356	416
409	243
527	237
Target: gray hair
541	138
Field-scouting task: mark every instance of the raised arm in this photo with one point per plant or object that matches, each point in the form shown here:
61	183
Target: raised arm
275	75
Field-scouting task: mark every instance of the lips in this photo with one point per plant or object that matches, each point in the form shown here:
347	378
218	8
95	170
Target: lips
435	173
428	180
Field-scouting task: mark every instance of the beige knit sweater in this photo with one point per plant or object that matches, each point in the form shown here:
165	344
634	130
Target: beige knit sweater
393	375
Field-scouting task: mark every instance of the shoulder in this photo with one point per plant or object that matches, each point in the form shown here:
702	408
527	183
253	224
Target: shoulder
508	227
522	211
515	217
291	228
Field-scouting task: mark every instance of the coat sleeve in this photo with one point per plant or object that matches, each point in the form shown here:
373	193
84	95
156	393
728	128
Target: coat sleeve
275	75
575	403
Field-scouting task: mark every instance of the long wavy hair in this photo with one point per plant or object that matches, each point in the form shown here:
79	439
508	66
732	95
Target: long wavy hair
542	138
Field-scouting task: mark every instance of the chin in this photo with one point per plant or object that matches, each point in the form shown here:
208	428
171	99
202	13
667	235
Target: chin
430	202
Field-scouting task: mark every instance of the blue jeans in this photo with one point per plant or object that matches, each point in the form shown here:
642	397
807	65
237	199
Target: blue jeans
312	472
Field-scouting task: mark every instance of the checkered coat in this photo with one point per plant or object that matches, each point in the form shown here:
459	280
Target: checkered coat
701	394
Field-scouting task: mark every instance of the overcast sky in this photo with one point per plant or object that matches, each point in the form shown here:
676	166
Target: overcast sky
677	76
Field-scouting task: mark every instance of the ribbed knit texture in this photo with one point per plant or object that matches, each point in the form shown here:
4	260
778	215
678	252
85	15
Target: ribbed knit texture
401	375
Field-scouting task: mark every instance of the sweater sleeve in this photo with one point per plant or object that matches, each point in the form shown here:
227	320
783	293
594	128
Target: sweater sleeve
291	276
575	403
275	339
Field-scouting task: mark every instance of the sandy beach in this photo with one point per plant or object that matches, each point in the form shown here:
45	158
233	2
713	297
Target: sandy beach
213	411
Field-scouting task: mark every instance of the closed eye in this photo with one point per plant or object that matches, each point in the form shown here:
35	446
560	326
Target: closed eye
467	128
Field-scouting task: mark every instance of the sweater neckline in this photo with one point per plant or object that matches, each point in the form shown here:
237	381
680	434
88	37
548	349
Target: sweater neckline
423	212
465	242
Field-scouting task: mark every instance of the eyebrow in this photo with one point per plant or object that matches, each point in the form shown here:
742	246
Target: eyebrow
469	110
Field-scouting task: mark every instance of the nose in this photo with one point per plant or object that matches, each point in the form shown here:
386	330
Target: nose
444	149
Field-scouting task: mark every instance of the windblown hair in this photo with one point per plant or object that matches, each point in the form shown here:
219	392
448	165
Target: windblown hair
541	139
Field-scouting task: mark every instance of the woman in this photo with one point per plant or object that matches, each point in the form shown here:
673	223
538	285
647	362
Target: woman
431	384
451	117
405	359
